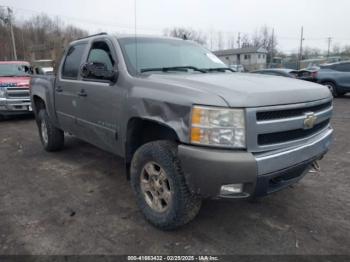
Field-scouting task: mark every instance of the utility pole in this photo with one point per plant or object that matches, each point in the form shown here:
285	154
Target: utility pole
329	46
12	34
239	40
301	47
8	21
272	46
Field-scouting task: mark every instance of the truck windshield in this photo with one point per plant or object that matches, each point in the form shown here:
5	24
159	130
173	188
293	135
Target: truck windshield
14	70
143	54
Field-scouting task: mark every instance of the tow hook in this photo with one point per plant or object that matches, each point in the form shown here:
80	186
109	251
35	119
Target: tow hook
315	167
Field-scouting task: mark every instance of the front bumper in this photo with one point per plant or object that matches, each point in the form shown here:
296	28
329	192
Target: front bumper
15	106
206	170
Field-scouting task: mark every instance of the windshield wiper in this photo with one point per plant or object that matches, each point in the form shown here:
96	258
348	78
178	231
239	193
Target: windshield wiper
219	69
173	68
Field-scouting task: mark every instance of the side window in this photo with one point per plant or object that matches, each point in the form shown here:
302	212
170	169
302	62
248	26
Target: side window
72	62
345	67
101	53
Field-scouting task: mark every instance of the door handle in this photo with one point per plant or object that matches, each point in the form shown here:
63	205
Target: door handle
59	89
82	93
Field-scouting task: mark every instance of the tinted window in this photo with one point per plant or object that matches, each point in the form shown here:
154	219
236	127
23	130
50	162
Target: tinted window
100	53
343	67
72	63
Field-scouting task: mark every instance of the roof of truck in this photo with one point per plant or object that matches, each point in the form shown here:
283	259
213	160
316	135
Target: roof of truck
120	36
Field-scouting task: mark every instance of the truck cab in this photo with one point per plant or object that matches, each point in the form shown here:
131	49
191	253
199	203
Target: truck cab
14	88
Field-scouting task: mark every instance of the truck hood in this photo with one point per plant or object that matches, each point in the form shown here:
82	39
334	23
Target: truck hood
248	90
21	81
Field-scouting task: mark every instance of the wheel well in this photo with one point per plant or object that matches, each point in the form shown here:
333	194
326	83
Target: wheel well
141	131
328	81
39	104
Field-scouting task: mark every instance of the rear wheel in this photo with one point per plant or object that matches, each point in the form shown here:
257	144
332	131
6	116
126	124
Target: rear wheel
51	137
159	184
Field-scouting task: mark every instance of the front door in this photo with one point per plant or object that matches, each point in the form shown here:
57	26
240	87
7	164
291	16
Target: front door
101	102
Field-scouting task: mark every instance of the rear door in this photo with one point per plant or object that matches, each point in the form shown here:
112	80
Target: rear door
67	87
101	101
343	75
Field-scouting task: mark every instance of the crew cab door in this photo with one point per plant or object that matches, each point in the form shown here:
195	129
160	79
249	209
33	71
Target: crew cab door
67	87
100	101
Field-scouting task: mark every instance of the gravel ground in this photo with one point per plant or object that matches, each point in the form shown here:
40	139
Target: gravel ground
78	201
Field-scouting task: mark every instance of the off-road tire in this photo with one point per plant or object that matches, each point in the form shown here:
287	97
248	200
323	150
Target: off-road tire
55	137
184	205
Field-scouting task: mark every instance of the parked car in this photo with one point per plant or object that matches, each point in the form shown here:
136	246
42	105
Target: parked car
336	77
187	126
14	88
308	74
277	72
237	68
43	67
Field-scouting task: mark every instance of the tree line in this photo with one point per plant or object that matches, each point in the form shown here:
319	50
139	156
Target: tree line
40	37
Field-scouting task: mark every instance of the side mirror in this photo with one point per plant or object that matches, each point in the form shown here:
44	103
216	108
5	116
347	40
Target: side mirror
99	71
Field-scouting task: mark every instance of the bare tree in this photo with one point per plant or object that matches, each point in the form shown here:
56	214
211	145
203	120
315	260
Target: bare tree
187	33
336	50
346	51
220	41
310	52
245	41
40	37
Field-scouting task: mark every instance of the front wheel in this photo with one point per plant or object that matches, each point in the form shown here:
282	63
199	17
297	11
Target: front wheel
51	137
159	184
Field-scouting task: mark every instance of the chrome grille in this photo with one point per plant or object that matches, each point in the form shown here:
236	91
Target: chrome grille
286	136
271	115
17	93
274	127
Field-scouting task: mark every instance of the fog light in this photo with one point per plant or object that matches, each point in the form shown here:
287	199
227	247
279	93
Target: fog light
231	189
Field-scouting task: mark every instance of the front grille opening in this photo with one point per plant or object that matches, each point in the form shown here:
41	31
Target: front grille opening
287	176
271	115
286	136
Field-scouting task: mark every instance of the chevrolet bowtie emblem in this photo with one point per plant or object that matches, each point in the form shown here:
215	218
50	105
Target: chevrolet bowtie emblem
310	120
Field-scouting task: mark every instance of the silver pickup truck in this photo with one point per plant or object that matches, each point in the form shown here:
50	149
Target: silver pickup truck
187	126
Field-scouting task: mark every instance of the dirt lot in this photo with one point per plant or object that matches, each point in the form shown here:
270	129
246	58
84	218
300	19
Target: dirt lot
78	202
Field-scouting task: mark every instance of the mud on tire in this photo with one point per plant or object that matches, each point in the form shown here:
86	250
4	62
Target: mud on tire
184	206
51	137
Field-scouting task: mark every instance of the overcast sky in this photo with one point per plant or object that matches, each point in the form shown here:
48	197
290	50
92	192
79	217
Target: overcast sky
320	18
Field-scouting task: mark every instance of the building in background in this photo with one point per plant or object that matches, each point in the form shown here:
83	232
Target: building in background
252	58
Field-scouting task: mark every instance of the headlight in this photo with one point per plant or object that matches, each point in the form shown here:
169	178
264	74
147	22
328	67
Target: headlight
2	91
218	127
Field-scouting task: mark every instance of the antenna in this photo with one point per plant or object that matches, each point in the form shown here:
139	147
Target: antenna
135	32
